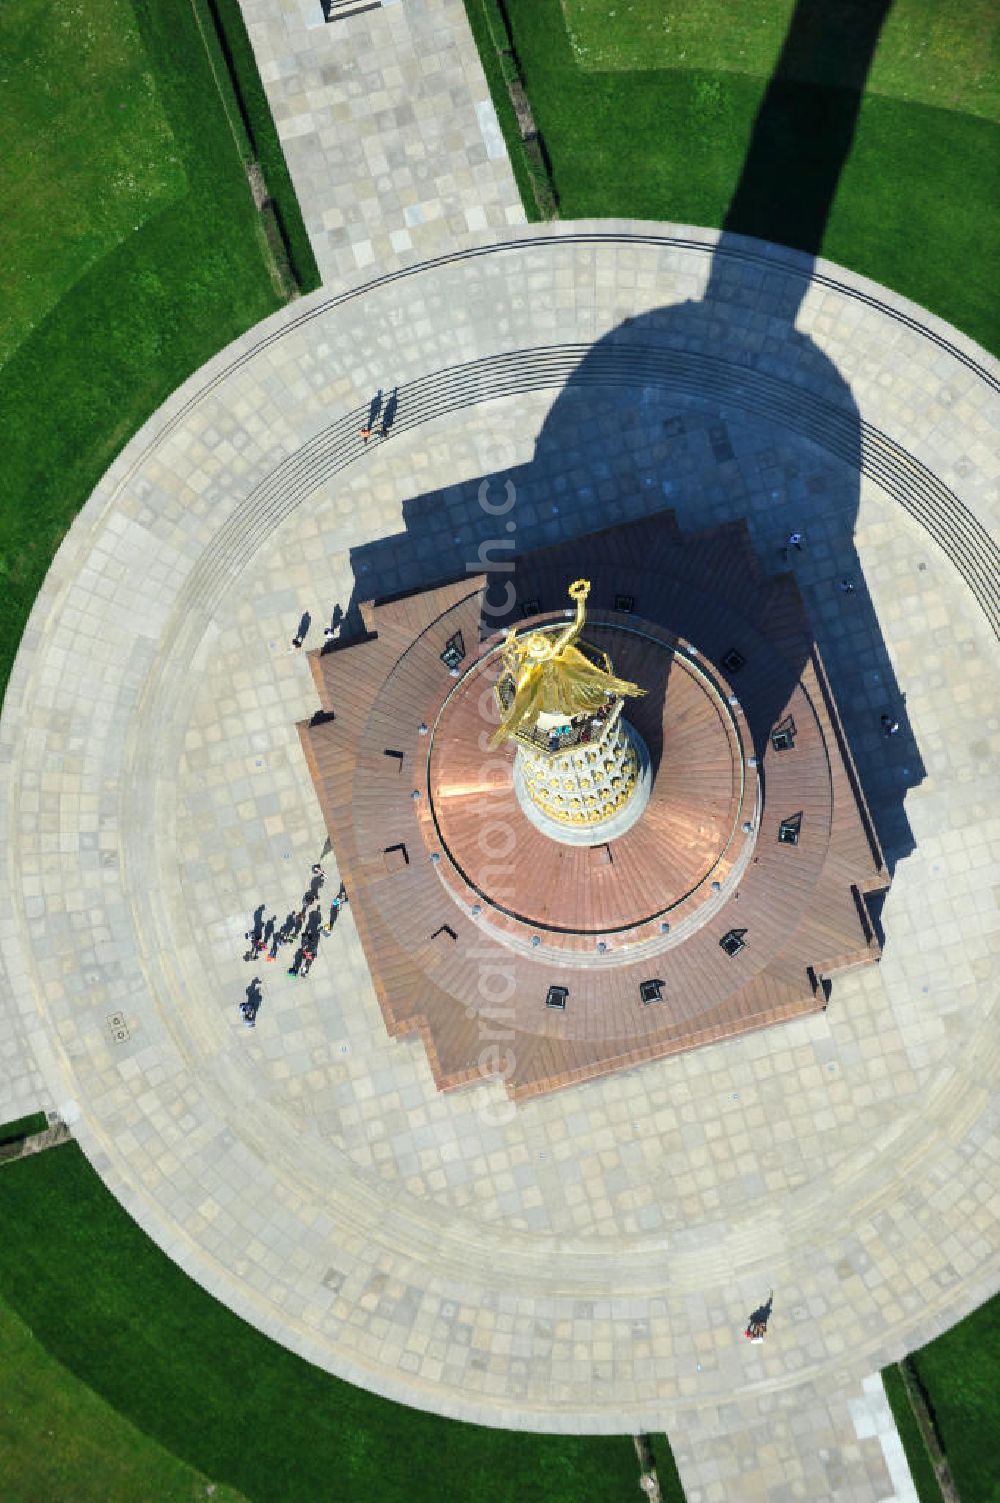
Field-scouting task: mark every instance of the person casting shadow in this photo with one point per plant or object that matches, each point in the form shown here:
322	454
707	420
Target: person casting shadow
757	1324
305	621
250	1006
391	408
330	632
255	934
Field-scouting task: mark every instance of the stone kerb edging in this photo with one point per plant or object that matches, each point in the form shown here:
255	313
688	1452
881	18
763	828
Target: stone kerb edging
202	528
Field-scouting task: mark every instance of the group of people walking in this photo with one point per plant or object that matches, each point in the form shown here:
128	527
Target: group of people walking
303	928
380	417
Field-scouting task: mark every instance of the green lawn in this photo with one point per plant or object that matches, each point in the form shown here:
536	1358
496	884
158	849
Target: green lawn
944	55
59	1441
87	180
131	252
917	206
185	1375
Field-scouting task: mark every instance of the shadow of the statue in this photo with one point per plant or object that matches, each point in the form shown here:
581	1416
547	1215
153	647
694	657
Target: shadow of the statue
720	409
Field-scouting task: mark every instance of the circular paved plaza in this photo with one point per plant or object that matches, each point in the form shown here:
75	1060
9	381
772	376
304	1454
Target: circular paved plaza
585	1261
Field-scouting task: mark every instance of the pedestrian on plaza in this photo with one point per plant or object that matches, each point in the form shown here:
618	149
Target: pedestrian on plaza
250	1006
331	632
308	956
889	725
795	540
301	630
846	587
375	428
336	906
757	1324
297	924
374	420
286	930
255	933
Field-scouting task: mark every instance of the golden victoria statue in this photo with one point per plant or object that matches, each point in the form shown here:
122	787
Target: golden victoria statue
553	677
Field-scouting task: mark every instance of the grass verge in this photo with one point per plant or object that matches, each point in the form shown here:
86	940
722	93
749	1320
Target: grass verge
264	141
489	38
960	1375
918	1459
667	1474
227	1402
23	1127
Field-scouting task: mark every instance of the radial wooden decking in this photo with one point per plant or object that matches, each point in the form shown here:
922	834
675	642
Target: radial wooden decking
468	914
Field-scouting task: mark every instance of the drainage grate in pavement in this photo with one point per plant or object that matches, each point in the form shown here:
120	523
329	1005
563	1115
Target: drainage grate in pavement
119	1028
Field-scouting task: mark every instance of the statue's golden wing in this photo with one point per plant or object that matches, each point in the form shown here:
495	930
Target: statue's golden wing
564	689
584	686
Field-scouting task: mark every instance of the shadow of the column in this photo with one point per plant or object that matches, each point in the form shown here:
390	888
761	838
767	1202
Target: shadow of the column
656	412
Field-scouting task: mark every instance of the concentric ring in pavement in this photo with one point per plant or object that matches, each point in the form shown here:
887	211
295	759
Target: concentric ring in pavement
586	1261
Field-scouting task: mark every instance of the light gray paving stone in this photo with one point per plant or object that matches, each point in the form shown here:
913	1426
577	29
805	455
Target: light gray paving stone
598	1250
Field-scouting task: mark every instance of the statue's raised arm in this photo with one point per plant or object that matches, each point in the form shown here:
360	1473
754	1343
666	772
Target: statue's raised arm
577	591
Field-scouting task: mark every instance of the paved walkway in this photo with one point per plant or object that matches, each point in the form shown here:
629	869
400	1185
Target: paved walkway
388	129
22	1086
585	1262
873	1418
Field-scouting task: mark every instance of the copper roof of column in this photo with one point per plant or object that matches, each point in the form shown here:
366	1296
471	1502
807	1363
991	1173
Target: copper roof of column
468	914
